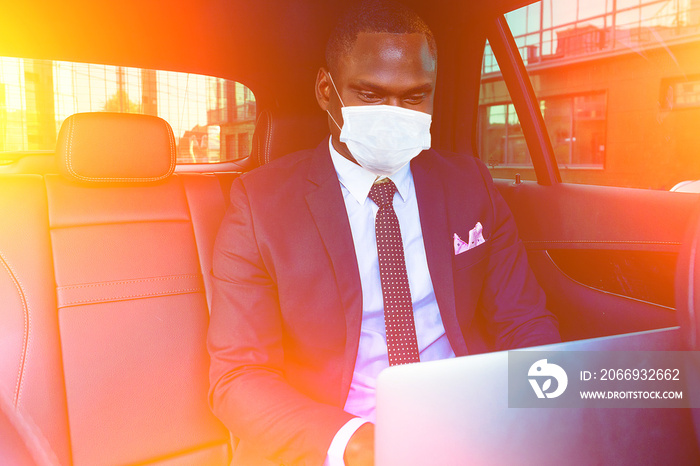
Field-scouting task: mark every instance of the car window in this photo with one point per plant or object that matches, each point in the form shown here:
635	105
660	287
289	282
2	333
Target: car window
618	83
212	118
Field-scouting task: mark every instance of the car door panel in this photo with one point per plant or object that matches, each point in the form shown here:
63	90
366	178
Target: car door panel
604	256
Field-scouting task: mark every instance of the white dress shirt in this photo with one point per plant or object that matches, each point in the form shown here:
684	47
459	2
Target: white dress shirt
372	356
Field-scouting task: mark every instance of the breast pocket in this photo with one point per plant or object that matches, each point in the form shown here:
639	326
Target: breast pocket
470	269
472	256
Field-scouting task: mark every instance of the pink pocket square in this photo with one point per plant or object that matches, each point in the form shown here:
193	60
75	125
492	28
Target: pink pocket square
476	237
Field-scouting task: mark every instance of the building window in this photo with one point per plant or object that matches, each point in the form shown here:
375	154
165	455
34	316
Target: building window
501	140
680	93
243	145
576	126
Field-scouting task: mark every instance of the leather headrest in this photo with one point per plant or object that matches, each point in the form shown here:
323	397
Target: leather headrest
115	148
277	134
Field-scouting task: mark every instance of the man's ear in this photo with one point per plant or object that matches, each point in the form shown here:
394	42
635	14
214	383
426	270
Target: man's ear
323	89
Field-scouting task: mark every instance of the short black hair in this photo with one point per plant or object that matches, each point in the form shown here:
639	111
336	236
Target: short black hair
374	16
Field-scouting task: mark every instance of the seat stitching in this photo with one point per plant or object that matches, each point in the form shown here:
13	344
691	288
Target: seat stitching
125	297
27	329
257	152
135	280
268	156
69	148
171	138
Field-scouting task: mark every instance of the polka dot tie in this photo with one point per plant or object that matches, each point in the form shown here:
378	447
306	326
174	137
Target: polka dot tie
398	306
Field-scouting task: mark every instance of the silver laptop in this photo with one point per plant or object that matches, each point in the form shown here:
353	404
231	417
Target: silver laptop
455	412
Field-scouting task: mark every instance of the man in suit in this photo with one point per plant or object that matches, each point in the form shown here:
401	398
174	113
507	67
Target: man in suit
302	298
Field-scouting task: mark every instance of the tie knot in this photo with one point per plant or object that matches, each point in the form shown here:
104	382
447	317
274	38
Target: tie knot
382	193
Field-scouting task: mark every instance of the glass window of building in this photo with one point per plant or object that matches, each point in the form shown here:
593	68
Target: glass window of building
212	118
501	137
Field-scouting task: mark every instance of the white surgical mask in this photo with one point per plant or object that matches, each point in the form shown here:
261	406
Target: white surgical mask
383	138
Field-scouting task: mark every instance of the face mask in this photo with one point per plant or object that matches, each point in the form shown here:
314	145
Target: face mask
383	138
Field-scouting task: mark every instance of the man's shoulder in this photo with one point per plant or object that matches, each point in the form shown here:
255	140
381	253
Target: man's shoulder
280	174
284	166
456	164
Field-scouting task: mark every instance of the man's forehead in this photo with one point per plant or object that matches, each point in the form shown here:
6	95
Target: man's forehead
383	50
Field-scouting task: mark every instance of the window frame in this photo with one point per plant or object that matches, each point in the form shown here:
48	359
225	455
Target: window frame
523	97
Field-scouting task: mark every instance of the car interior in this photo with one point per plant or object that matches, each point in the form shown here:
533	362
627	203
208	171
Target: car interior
106	241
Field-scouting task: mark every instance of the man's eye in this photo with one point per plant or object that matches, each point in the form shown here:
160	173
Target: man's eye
414	99
368	96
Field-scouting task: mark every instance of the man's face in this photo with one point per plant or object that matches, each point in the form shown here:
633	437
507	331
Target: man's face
381	69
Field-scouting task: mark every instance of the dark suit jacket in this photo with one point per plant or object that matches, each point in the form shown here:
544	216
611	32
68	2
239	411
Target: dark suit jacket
287	305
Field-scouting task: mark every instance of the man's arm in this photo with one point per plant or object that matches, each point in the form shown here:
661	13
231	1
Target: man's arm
512	301
249	392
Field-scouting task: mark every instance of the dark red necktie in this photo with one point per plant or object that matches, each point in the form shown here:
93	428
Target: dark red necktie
398	307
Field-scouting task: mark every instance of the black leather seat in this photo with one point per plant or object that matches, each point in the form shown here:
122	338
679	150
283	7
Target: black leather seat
104	270
104	273
20	441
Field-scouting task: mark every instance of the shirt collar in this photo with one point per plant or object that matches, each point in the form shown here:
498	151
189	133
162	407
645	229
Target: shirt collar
358	181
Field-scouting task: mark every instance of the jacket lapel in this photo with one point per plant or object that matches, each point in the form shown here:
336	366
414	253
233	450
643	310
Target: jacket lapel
325	201
433	208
